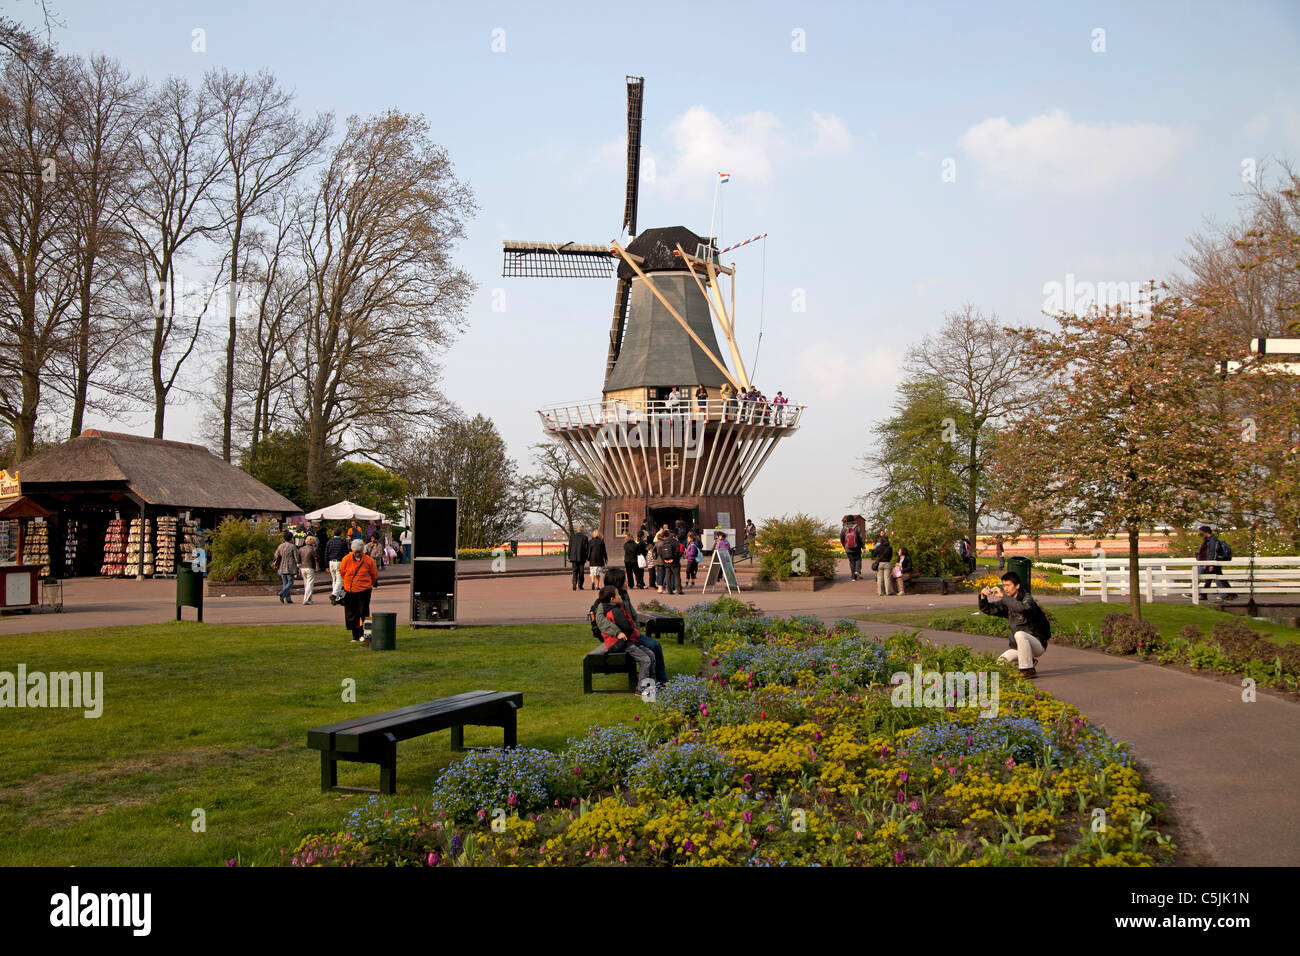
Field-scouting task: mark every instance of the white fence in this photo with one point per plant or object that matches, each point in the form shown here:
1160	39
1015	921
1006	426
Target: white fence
1183	577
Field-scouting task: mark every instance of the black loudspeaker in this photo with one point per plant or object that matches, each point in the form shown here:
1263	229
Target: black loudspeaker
434	532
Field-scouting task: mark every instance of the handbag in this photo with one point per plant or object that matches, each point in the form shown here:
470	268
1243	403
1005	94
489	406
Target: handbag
898	570
875	565
640	560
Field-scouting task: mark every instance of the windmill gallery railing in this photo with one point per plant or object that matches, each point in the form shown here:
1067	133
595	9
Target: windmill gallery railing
639	448
714	410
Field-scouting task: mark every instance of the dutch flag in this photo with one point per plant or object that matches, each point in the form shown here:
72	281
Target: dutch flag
724	177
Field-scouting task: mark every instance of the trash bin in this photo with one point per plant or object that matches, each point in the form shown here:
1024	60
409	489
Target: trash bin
383	631
1021	566
189	590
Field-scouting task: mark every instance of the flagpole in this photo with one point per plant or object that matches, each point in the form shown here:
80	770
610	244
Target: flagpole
717	184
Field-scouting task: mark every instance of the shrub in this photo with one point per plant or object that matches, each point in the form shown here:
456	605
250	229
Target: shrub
1020	738
517	778
692	769
928	532
1129	634
778	539
682	694
243	552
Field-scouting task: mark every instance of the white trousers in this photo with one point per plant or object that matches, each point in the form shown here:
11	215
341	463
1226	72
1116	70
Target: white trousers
1027	652
308	584
336	579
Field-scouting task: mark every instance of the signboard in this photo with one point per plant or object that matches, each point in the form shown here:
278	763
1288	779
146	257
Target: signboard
709	535
721	567
10	486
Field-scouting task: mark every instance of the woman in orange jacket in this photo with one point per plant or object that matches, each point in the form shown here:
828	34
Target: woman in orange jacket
359	575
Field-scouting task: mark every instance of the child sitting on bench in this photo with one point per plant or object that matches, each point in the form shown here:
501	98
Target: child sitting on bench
627	640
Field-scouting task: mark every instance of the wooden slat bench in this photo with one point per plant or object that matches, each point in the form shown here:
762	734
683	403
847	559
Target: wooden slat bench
601	661
373	739
660	624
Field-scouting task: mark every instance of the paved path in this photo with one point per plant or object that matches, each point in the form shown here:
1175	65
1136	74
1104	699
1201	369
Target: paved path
1231	767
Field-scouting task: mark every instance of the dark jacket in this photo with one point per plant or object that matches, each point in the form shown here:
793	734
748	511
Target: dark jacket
597	553
1022	613
674	546
905	564
883	550
630	550
1209	551
336	549
578	548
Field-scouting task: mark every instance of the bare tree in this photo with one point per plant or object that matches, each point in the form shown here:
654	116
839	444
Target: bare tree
181	162
107	112
266	146
382	290
35	282
559	490
981	367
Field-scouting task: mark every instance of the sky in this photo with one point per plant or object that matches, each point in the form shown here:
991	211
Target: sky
905	159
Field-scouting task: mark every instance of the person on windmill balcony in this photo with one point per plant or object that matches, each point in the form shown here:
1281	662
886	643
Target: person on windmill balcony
728	400
674	399
702	402
779	404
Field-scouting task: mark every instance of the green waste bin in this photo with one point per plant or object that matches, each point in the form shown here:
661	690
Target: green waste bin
1021	566
189	590
383	631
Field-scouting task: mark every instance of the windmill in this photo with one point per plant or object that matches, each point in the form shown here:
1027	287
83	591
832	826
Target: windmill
652	458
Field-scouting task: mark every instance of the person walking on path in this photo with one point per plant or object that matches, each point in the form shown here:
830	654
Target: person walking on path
642	559
670	553
336	549
406	546
882	557
375	549
578	556
629	560
1027	625
692	556
598	555
653	564
1212	549
851	539
360	574
286	565
308	563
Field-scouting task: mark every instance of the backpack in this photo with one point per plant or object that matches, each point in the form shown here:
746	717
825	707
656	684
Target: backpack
668	549
594	615
1225	551
851	538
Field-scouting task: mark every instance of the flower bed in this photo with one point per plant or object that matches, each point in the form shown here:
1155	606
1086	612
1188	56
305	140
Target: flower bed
791	749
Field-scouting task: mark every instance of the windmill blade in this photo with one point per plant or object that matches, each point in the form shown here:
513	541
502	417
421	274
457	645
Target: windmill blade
556	259
635	94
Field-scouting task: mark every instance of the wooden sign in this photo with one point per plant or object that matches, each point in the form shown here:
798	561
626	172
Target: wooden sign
720	567
10	486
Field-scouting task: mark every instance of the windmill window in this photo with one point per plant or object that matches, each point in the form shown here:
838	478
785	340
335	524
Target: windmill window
670	459
621	522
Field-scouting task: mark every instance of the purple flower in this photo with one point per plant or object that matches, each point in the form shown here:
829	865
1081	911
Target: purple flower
898	797
914	806
513	801
688	846
898	857
902	776
748	816
434	859
234	862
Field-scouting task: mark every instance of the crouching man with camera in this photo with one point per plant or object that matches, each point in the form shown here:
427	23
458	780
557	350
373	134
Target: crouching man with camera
1027	625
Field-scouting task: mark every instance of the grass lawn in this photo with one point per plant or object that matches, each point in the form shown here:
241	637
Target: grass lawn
198	716
1170	618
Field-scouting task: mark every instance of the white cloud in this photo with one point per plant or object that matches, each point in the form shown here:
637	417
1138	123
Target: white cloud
1067	155
836	372
752	147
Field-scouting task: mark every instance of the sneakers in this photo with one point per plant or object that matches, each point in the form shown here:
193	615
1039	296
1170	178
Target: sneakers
1031	672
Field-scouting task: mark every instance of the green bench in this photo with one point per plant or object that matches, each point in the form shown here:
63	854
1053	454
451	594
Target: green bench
374	739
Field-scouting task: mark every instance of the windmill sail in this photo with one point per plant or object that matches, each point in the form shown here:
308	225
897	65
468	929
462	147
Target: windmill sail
635	95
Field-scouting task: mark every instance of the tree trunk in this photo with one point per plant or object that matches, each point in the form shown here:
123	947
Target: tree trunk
82	383
155	362
230	340
1134	597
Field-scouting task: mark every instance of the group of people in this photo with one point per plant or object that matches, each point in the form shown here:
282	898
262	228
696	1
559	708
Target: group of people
852	538
615	622
671	555
353	565
752	406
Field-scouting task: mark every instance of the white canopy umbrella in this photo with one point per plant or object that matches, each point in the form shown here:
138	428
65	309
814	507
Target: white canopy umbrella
345	511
